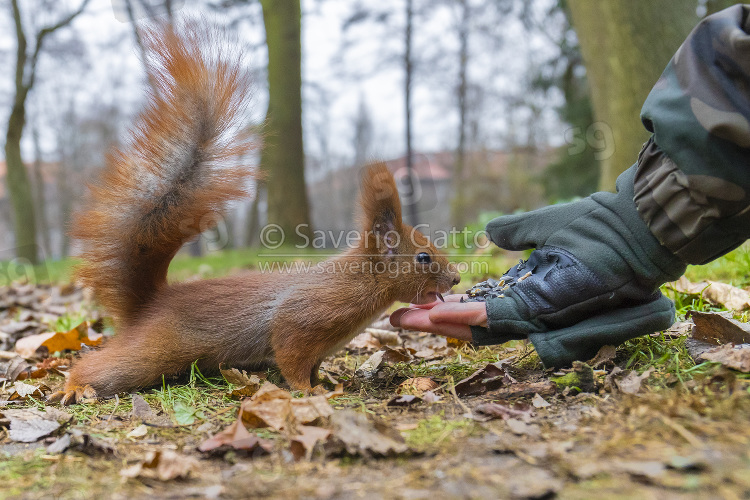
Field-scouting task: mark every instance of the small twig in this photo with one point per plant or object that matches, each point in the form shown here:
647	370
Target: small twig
117	404
452	389
682	431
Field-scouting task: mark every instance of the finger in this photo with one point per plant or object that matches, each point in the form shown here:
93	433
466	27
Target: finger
419	319
448	298
456	297
396	315
467	313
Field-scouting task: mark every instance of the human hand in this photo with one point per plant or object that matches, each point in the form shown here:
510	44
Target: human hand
451	318
593	280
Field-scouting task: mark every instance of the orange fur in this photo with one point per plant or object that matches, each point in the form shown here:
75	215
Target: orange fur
249	320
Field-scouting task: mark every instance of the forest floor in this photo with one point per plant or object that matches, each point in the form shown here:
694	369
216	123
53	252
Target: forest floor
403	415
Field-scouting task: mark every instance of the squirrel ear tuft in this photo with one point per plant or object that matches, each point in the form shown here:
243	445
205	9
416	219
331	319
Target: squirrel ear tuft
379	199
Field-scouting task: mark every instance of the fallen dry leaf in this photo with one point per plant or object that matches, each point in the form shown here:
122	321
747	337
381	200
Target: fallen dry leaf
303	444
732	356
491	377
370	367
489	411
627	381
539	402
719	328
399	355
247	385
163	465
354	433
274	407
417	386
31	424
21	391
58	341
236	437
141	408
384	337
715	292
605	355
364	340
16	369
679	329
138	432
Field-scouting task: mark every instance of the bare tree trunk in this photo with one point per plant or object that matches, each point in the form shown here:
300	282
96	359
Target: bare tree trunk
625	45
19	188
458	205
409	73
283	156
40	198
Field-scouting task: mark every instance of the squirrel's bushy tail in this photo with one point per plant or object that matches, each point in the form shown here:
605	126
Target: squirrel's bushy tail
177	171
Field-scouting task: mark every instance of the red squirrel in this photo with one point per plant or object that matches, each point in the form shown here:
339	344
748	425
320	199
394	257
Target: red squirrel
170	175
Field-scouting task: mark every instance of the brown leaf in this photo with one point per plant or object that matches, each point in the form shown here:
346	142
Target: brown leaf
58	341
163	465
247	383
496	410
274	407
399	355
736	357
16	369
364	340
236	437
417	386
719	328
605	355
626	381
491	377
679	329
715	292
384	337
354	433
303	444
141	409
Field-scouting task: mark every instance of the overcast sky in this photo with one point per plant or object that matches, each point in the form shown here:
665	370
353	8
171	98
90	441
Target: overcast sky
110	73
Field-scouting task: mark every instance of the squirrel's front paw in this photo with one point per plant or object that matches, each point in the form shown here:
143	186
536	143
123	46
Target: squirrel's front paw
72	395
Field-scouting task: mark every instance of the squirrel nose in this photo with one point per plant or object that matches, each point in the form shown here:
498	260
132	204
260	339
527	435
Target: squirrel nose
456	279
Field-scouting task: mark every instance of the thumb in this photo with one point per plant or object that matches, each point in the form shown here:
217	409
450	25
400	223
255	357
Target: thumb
532	229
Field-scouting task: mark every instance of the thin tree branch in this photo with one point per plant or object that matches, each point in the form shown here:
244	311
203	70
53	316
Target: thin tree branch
43	34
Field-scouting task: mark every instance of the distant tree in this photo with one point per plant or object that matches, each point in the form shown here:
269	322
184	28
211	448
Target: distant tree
363	134
283	156
625	45
398	50
19	188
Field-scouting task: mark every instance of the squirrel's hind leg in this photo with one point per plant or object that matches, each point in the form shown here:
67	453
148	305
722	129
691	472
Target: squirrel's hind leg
126	363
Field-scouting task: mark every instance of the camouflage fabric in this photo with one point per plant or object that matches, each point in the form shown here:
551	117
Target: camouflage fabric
692	185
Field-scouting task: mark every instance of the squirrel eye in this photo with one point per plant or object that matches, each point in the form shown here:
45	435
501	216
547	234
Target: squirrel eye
424	258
